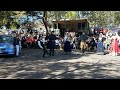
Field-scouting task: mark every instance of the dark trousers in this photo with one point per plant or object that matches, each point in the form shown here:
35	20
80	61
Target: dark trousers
52	47
44	50
83	50
52	52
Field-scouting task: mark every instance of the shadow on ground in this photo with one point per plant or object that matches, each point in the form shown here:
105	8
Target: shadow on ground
35	54
31	65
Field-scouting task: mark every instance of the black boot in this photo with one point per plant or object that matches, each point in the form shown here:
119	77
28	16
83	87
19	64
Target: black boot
65	53
50	52
53	52
69	53
83	51
44	54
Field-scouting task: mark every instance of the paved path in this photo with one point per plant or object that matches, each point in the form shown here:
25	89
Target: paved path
31	65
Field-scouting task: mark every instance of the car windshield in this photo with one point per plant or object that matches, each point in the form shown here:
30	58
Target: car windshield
6	39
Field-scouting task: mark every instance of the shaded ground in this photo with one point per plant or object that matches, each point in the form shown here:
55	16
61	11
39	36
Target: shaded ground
31	65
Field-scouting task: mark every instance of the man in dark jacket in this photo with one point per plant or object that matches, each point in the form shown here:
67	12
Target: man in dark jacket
52	37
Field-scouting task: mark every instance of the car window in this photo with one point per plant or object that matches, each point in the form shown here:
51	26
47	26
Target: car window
6	39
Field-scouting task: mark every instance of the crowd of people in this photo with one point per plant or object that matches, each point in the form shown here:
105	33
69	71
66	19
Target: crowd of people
98	42
93	42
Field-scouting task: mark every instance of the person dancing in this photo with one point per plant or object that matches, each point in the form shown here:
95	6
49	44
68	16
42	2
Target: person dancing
114	48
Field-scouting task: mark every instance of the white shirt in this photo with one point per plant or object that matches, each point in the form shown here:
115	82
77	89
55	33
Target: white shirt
65	38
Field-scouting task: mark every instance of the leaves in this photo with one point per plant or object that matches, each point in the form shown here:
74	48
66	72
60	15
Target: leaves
5	18
71	15
101	18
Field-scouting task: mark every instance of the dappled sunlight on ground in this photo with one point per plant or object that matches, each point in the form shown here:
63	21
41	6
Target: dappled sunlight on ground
73	66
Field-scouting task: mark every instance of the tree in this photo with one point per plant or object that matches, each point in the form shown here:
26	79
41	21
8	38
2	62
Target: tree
45	21
101	18
71	15
5	18
56	14
117	17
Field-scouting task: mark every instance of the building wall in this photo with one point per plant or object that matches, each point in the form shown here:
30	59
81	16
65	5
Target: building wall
74	27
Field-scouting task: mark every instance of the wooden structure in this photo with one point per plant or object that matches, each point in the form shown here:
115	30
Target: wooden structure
72	25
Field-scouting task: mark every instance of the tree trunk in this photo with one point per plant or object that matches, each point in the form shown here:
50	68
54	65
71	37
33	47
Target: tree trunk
45	21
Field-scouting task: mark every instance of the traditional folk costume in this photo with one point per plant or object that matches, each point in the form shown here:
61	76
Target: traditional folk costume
44	47
67	46
100	46
114	47
83	44
51	44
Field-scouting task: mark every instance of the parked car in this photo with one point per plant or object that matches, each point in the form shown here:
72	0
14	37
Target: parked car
6	45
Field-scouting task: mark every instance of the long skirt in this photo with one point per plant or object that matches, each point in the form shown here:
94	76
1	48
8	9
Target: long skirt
67	46
114	48
100	48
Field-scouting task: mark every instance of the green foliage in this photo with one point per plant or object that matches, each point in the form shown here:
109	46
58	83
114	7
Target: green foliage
117	17
71	15
5	17
102	18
